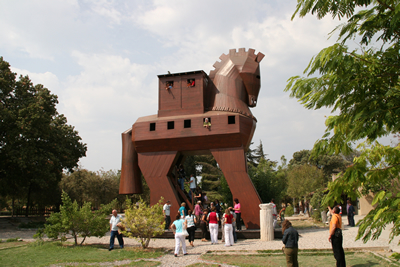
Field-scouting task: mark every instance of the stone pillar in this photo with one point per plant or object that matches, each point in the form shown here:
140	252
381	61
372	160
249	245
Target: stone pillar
266	222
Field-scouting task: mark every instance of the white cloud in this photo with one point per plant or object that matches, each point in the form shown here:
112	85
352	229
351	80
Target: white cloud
102	59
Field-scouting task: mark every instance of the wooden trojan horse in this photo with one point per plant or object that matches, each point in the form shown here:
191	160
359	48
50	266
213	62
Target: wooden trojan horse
156	144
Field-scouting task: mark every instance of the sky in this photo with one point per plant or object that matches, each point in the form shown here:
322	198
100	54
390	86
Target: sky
101	58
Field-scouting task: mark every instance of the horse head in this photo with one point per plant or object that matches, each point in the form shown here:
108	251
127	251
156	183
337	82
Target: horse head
249	71
237	76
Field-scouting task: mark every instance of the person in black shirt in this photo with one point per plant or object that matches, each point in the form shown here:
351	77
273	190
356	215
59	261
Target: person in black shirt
290	239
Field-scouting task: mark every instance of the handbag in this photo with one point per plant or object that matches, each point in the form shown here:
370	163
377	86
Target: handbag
185	232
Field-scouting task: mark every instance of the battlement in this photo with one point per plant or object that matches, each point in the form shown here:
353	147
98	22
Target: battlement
182	93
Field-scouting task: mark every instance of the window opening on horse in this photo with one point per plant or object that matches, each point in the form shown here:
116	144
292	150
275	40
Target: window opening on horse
169	85
171	125
187	123
207	123
231	120
191	82
152	126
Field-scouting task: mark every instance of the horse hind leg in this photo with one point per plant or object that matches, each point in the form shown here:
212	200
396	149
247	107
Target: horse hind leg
131	180
156	167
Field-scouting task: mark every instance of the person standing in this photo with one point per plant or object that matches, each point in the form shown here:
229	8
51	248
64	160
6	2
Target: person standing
290	239
238	212
182	210
282	214
115	219
191	226
233	224
350	213
177	227
213	219
203	225
167	214
336	237
274	212
228	220
197	211
192	186
182	177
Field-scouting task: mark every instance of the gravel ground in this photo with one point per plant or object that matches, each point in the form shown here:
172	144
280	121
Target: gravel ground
310	239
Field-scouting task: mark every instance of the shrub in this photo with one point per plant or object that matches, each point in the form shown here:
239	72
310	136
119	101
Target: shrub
144	221
289	211
78	221
315	202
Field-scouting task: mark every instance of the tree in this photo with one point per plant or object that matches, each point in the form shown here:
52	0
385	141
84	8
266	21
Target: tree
210	176
362	85
78	221
36	143
329	164
144	221
267	181
303	180
96	187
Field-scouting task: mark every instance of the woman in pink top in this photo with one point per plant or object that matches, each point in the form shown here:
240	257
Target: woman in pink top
213	224
197	211
238	212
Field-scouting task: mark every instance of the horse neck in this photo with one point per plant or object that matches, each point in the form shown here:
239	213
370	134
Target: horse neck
231	85
230	93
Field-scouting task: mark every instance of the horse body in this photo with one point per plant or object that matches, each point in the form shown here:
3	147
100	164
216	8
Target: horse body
156	144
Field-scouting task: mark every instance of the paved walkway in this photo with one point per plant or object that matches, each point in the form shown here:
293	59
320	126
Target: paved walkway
310	239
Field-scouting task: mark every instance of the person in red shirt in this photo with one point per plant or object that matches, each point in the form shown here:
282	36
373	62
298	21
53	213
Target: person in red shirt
228	220
213	219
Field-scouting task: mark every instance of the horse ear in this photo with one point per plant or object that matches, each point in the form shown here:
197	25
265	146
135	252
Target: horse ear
259	57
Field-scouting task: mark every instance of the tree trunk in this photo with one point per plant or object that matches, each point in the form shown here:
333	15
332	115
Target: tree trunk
12	207
28	200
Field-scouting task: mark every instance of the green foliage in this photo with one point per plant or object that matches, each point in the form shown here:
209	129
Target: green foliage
289	211
36	143
12	239
395	256
143	221
78	221
329	164
98	188
254	156
303	180
362	86
316	203
266	181
225	192
210	176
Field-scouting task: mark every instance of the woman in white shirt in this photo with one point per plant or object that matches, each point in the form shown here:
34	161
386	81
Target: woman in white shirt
191	227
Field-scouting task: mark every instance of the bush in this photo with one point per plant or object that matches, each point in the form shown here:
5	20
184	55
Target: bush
289	211
78	221
143	221
315	202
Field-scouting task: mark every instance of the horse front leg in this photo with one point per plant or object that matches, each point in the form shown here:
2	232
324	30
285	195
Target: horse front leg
232	162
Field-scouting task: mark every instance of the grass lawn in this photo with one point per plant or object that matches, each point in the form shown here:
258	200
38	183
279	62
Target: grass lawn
307	224
309	259
55	253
